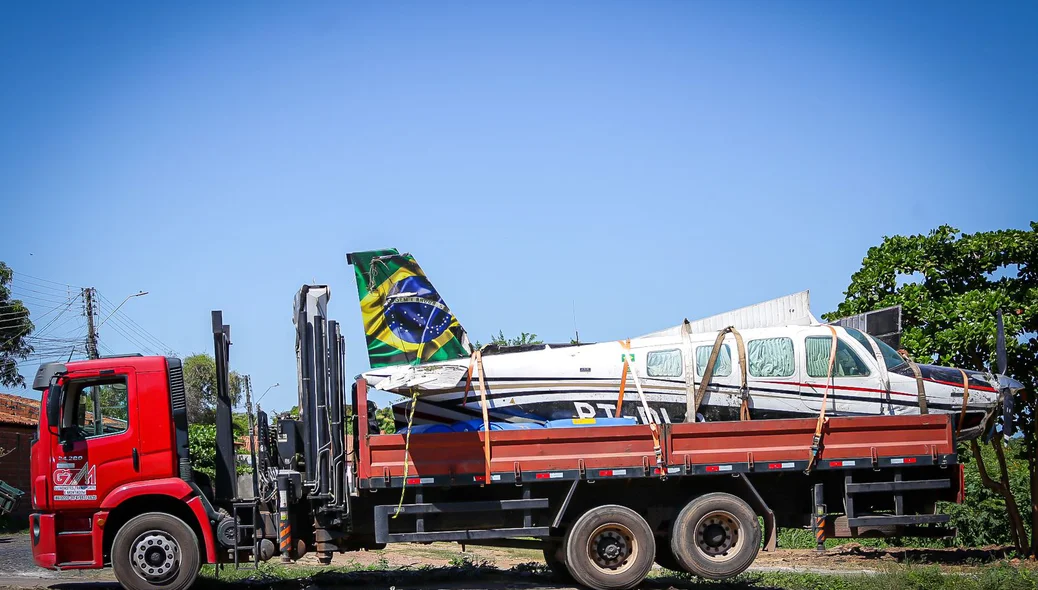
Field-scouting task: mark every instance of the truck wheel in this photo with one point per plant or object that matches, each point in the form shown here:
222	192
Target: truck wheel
610	548
716	536
553	557
155	551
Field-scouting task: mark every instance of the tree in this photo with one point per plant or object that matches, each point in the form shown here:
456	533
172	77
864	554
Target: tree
200	388
385	420
950	286
522	339
15	328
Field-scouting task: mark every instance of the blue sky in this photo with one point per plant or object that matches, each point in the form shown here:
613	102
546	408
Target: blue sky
639	162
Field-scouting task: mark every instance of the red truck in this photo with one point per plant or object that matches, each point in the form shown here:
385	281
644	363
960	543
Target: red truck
114	484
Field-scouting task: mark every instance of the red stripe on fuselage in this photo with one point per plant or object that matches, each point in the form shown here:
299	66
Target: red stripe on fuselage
871	390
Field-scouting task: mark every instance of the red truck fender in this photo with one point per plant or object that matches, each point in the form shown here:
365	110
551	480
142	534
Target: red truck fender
175	488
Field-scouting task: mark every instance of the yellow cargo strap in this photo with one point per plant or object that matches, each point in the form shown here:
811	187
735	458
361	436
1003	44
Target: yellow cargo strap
816	442
919	385
708	373
965	399
653	427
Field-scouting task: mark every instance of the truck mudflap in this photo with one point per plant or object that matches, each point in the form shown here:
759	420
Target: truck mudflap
44	540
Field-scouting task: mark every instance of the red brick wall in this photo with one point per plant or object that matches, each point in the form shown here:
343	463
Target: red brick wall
14	468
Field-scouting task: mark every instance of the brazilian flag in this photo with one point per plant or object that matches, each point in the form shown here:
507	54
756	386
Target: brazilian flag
405	319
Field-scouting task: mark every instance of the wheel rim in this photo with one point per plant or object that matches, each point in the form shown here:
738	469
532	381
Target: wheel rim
612	548
718	535
155	556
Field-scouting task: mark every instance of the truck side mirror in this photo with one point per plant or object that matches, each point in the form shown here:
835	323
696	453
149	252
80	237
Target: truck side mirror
54	408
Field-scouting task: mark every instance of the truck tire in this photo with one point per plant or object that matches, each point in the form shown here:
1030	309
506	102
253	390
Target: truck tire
716	536
610	548
553	558
155	551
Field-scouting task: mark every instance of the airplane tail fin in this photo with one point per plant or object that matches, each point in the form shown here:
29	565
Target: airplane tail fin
405	319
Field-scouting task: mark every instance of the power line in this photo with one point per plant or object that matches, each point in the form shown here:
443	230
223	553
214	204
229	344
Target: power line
22	274
50	293
140	330
27	328
128	337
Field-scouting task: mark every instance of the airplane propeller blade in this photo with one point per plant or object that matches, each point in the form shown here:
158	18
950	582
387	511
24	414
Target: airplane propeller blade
1008	427
1000	343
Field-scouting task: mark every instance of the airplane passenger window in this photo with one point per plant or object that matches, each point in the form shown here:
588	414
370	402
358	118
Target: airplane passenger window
663	363
770	357
722	366
847	362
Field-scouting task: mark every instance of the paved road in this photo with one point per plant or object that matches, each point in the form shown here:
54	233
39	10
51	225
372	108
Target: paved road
17	568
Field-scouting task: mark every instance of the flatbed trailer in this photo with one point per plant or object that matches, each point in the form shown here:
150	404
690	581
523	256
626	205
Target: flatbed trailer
602	502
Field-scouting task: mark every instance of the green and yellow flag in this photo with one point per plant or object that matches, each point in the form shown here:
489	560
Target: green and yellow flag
405	319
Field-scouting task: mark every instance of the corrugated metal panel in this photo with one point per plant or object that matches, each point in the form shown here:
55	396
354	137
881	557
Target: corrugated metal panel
789	310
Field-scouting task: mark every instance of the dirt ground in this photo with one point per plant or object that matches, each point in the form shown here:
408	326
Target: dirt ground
848	558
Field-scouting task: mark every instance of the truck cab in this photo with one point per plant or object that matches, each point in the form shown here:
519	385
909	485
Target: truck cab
113	440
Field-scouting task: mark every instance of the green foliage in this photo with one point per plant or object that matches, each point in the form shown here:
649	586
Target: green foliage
201	441
522	339
386	422
981	518
949	286
200	388
15	328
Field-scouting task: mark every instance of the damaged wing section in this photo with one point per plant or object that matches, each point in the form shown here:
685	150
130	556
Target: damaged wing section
788	310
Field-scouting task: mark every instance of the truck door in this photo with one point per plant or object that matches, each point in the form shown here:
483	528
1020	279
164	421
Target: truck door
857	386
98	444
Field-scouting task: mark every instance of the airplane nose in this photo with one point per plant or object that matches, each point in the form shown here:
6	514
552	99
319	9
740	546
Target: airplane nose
1006	382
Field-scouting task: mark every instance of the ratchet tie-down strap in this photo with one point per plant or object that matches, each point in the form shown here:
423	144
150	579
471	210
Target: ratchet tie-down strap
920	387
816	442
628	356
476	362
965	399
708	372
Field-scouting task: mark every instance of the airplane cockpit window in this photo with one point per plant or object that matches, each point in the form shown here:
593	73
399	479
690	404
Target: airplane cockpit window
723	364
770	357
663	363
892	359
847	363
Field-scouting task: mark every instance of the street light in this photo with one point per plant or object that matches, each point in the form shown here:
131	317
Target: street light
128	297
265	392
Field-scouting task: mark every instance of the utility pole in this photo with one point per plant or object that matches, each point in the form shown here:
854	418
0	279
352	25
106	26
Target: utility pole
91	339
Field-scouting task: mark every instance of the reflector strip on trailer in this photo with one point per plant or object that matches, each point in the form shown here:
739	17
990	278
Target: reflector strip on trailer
632	472
550	475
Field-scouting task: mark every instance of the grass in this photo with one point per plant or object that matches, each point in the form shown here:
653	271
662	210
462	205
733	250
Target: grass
805	539
1002	576
999	576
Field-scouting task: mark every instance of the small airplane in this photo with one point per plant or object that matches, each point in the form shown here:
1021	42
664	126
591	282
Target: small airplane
771	360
